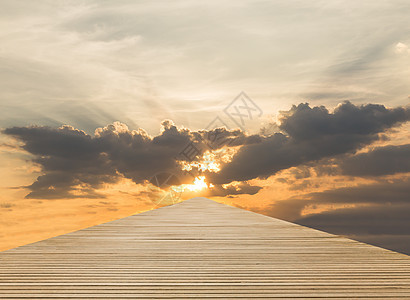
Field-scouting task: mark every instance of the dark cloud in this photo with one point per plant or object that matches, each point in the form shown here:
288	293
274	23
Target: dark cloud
386	226
378	213
362	220
396	242
74	163
388	192
311	134
240	188
380	161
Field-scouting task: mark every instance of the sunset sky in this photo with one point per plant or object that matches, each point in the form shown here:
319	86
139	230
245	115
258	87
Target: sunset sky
294	109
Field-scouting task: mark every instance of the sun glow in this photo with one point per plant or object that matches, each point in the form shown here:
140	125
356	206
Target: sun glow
198	185
211	162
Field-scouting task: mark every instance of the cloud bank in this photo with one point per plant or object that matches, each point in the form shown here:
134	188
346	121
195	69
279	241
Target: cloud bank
76	164
310	134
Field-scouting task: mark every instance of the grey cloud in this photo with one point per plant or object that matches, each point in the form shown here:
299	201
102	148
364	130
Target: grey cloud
377	162
311	134
241	188
305	123
377	219
382	225
396	242
380	161
75	163
380	214
389	192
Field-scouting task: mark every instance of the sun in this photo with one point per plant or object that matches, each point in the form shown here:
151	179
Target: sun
198	185
211	162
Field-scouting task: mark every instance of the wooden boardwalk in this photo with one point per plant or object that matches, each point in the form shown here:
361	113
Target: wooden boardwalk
202	249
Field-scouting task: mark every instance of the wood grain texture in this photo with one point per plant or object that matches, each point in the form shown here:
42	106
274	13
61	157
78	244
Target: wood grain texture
202	249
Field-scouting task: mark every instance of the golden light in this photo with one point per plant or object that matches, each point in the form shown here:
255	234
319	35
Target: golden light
211	162
198	185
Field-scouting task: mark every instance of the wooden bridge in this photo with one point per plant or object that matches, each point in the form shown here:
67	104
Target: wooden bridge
202	249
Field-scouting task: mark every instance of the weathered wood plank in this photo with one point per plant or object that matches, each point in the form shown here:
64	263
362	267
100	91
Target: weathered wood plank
202	249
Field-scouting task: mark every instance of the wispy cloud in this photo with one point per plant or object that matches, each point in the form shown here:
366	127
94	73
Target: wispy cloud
137	59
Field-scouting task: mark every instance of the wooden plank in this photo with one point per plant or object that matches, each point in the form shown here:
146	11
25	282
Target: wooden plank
202	249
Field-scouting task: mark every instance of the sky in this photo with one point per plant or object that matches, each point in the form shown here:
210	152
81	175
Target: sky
113	108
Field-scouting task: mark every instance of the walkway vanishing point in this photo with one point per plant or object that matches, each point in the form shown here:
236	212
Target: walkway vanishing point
204	250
